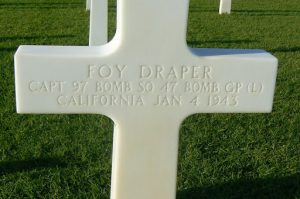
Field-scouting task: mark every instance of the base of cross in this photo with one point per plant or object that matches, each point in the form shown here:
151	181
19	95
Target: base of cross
225	7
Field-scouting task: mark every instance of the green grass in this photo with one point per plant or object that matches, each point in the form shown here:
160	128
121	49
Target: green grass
220	155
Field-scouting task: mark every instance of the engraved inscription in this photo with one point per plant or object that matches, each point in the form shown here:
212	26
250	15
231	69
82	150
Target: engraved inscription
113	87
145	87
233	87
219	100
175	73
100	100
157	85
168	100
46	86
255	88
201	87
105	71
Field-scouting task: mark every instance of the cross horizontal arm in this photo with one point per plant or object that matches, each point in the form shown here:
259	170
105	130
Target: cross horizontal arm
102	80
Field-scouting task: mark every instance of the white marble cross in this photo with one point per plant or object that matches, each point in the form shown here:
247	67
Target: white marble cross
147	80
225	7
98	22
88	4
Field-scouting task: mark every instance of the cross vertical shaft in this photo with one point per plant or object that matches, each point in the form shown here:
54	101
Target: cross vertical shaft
98	22
164	23
145	157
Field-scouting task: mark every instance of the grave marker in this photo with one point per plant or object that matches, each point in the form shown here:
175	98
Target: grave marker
147	80
225	7
88	4
98	22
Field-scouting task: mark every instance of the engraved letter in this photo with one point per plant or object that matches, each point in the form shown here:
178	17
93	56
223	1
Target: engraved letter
32	88
120	70
105	71
158	72
145	71
172	73
61	100
184	70
206	74
91	70
195	73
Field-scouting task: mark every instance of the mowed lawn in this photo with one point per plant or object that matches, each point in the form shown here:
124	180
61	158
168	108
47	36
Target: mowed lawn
220	155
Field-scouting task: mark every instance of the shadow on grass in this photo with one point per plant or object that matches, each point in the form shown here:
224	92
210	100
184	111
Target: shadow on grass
11	49
222	51
24	39
286	50
8	167
267	12
193	9
275	188
13	38
237	41
42	5
112	8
